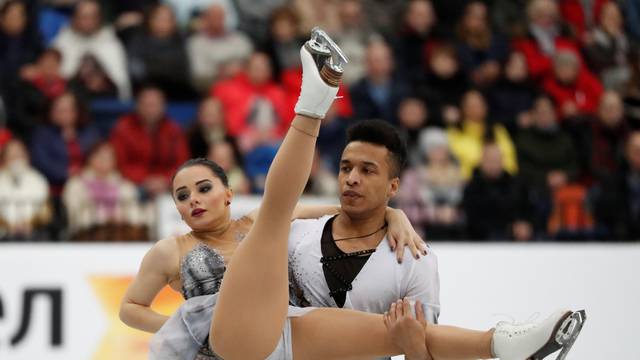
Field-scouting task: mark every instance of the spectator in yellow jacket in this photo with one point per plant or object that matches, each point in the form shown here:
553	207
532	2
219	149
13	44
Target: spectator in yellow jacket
467	139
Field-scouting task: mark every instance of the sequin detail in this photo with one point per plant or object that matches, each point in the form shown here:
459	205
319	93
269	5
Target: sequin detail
201	270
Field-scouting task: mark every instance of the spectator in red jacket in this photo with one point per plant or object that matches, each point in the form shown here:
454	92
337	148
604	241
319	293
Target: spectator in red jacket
245	96
45	74
575	90
149	145
5	134
609	49
609	133
581	16
545	37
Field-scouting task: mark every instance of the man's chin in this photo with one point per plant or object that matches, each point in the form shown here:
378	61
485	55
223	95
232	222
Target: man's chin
352	210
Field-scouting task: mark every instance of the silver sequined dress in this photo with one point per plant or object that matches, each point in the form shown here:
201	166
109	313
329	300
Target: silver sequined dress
185	335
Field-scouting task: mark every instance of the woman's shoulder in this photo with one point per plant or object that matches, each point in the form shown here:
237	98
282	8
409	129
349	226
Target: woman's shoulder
244	223
167	245
166	253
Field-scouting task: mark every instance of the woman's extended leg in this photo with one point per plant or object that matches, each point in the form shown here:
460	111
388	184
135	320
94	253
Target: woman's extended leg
346	334
254	296
253	299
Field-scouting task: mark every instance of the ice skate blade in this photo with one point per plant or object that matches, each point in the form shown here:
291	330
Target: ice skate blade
570	330
563	336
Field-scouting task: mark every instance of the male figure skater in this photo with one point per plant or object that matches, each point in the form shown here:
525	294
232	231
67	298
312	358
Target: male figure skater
342	260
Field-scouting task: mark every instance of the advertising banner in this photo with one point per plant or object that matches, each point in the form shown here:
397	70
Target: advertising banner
61	301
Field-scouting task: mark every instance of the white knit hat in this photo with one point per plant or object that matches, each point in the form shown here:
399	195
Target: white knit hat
431	138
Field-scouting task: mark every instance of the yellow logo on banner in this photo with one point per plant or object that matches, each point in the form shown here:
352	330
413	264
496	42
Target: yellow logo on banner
121	341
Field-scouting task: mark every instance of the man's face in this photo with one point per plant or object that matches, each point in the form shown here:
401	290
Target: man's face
364	178
544	114
213	20
633	151
151	106
86	19
611	109
259	69
566	71
379	60
491	163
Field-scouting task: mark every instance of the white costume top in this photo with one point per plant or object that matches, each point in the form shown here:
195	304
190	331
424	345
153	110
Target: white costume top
380	282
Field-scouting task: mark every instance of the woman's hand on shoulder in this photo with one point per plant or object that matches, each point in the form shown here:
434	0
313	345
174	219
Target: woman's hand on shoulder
401	233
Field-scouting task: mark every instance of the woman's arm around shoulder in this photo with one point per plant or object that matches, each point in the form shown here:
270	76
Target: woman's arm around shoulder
158	267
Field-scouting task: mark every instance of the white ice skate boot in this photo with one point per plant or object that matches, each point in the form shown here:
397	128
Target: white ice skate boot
535	341
322	68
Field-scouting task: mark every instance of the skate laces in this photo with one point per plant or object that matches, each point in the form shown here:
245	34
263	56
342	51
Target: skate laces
533	317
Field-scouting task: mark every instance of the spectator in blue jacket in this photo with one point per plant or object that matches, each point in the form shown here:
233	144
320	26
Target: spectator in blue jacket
59	146
379	93
481	50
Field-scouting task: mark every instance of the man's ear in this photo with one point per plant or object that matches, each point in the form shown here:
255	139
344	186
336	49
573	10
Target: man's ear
394	187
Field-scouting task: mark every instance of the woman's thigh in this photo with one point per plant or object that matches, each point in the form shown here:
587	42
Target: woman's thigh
340	334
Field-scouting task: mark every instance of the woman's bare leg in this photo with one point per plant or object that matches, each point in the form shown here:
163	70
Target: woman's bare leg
347	334
453	343
253	299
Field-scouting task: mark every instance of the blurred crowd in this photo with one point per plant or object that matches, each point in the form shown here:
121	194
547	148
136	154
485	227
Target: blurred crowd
522	117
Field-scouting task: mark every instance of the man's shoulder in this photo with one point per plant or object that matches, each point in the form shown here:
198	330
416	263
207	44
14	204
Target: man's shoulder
410	263
302	229
311	222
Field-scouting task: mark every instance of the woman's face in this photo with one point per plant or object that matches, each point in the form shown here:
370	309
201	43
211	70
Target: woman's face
284	29
15	151
64	112
412	113
222	154
200	197
210	114
474	107
611	19
14	19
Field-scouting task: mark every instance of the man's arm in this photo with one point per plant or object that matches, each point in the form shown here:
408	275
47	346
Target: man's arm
423	284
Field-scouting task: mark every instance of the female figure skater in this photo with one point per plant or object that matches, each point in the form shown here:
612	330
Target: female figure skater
249	317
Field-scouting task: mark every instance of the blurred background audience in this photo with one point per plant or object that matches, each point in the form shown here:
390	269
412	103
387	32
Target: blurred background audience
521	116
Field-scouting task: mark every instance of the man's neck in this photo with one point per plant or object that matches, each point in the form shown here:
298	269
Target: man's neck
348	225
